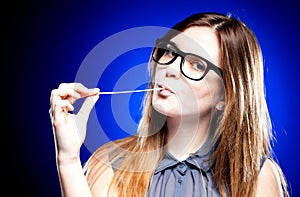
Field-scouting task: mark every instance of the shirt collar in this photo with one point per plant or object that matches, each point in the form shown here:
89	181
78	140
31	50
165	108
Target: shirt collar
199	159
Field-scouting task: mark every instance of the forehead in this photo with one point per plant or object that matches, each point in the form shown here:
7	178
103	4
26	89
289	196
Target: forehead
199	40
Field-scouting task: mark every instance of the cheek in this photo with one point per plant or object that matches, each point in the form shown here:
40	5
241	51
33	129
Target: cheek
160	73
200	97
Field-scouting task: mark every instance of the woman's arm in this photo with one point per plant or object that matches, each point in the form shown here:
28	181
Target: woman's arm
69	132
269	183
72	179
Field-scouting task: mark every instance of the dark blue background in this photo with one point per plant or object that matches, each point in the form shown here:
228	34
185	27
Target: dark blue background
45	42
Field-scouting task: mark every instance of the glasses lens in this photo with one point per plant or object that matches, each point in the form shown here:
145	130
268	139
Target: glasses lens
164	53
193	66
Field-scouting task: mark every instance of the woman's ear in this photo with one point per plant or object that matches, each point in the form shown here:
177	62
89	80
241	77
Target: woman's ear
220	106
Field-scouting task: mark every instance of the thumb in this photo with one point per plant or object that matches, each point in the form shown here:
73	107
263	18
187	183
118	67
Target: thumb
86	107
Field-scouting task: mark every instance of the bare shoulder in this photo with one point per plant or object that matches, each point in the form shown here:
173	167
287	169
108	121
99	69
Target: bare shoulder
101	168
99	171
269	183
101	185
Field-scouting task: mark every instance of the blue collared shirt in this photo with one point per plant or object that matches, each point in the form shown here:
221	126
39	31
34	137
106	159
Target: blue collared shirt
189	178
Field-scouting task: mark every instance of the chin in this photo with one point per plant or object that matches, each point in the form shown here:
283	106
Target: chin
166	110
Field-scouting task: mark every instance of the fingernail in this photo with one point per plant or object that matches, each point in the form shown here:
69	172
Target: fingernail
94	90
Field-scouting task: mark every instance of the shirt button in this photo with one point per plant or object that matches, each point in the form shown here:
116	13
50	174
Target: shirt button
179	180
181	165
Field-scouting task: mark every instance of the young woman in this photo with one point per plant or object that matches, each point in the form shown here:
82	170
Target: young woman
205	130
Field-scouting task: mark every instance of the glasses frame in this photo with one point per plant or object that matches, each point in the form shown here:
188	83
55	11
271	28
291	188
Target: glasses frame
179	53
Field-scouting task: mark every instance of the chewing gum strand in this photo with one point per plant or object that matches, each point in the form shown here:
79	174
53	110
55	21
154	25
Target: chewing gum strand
130	91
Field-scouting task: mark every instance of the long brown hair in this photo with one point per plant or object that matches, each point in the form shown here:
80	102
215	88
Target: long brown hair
243	135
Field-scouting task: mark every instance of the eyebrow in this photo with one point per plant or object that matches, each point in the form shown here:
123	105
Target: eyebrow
175	45
172	43
181	51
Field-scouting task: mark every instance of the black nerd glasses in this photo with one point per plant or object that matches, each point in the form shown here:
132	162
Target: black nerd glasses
192	66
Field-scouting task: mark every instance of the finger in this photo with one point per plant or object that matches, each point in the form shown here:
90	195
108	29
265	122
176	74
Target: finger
69	94
87	106
80	88
54	97
63	94
60	109
62	106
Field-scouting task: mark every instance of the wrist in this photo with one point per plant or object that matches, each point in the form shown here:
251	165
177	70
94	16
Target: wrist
67	160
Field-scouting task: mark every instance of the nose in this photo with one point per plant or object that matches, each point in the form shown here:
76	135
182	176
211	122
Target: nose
173	70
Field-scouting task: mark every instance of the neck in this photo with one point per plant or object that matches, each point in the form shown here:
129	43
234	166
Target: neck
186	135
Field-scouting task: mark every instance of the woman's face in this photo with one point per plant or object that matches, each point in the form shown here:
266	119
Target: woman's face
181	96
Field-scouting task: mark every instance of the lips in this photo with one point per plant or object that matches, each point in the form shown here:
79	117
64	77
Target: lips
165	90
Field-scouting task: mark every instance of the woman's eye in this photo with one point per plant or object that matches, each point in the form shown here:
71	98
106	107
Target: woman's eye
170	53
198	66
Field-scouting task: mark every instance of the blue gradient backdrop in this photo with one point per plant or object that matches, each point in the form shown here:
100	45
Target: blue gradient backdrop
46	41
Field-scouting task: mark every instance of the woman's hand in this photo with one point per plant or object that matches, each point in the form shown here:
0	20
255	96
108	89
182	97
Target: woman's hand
70	129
